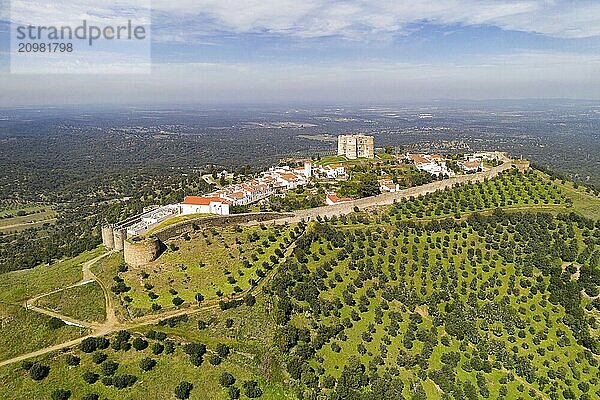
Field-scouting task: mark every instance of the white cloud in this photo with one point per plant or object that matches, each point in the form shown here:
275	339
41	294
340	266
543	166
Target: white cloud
351	18
316	18
71	12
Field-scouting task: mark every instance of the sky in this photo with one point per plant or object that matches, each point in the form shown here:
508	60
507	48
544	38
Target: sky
322	51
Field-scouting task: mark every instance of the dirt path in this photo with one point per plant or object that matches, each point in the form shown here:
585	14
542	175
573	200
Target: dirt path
112	323
87	277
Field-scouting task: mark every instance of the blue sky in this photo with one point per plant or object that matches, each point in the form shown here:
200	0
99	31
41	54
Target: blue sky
350	51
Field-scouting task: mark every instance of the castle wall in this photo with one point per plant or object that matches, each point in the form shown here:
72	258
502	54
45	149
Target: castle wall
108	239
119	236
142	252
139	250
180	228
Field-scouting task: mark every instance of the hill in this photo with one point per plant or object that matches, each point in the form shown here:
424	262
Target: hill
484	290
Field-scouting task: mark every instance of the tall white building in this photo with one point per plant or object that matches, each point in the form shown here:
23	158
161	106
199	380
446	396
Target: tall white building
356	146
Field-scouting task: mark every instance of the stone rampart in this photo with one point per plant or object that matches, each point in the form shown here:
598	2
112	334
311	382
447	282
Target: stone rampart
140	251
182	227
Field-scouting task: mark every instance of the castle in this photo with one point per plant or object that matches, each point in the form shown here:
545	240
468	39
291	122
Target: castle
356	146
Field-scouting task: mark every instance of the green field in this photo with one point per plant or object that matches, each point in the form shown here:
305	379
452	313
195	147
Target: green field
24	330
483	291
584	203
246	361
216	263
84	302
35	216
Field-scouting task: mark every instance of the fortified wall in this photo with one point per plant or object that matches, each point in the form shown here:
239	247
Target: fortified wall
180	228
141	250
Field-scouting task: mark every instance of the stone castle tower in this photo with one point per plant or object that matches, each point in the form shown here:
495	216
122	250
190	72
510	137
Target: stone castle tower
356	146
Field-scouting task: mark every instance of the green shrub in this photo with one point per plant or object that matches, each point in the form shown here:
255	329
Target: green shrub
183	390
146	364
157	348
226	379
88	345
102	343
177	301
55	323
99	357
233	393
90	377
251	389
214	359
109	367
124	381
222	350
61	394
72	360
26	365
38	372
139	344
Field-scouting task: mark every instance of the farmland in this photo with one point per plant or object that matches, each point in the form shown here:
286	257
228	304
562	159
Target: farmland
483	290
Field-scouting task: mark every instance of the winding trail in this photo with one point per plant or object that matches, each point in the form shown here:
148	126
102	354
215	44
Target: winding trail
87	277
112	322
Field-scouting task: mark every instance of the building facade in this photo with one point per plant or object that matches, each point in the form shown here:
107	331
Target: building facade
356	146
204	205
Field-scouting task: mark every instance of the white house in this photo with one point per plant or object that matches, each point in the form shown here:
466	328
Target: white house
472	166
331	171
431	163
204	205
388	185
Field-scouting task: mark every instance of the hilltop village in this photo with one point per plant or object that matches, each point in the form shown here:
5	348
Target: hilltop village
279	181
371	259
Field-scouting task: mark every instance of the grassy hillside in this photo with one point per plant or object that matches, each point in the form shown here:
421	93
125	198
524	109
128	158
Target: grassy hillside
215	263
24	330
84	302
477	306
487	290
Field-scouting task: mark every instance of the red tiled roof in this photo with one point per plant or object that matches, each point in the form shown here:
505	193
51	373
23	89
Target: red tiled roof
288	177
336	199
472	164
203	201
419	159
